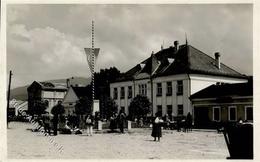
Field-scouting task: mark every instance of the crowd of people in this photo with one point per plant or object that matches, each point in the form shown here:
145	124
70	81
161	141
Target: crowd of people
72	123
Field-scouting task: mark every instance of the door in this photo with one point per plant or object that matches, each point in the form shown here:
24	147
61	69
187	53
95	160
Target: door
201	117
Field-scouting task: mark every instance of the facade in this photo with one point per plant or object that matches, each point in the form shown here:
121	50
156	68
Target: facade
169	77
223	103
47	92
18	107
73	95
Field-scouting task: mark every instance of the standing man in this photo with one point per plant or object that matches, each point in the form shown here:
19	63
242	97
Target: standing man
122	117
57	110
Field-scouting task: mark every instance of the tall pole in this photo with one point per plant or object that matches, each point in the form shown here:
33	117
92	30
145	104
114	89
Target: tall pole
93	66
8	95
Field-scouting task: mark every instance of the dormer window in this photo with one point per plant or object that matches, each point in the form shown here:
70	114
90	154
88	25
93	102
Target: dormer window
170	60
142	65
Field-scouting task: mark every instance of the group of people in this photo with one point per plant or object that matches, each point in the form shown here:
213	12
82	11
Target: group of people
158	123
71	123
117	120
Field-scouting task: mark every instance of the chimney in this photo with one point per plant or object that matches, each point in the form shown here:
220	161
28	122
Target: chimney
176	45
217	59
68	83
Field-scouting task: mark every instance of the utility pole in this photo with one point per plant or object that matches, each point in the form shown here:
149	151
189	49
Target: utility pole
93	66
8	95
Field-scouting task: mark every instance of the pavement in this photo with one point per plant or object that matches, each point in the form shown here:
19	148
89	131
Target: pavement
136	143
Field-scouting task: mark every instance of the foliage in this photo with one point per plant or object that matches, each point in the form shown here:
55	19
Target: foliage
110	107
39	107
83	106
102	90
139	107
103	79
58	109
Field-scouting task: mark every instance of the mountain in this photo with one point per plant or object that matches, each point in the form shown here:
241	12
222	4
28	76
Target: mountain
20	93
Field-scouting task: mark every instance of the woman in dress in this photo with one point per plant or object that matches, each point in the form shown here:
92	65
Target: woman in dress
89	124
157	130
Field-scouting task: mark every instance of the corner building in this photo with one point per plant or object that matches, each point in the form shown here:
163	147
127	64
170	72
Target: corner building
169	77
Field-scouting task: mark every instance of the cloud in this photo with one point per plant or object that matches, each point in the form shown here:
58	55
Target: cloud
46	53
47	41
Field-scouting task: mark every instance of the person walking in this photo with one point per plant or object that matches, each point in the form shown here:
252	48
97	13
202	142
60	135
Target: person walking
189	122
89	124
46	122
57	110
157	130
113	124
121	120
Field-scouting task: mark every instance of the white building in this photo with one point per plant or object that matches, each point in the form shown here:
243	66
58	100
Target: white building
47	92
169	77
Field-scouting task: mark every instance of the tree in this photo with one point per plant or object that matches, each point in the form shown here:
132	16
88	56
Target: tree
58	109
110	107
83	106
39	107
139	107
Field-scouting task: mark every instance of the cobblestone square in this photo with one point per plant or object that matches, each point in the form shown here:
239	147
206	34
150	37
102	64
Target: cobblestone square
134	144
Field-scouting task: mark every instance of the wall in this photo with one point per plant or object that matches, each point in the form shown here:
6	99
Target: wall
239	102
52	97
122	102
174	99
191	84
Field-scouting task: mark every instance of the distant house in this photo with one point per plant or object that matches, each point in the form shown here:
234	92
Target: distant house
72	96
47	92
18	107
223	103
170	76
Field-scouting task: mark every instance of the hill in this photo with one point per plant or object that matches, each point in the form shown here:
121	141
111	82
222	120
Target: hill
20	93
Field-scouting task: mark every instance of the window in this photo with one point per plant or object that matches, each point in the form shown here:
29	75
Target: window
46	102
180	109
248	113
179	87
143	89
130	92
122	93
216	114
232	113
169	89
169	110
115	93
159	89
159	110
122	108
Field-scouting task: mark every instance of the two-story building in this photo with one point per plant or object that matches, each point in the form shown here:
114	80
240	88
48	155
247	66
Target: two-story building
47	92
170	76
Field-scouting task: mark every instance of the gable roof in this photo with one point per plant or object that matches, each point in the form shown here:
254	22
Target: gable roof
81	91
186	60
47	86
225	90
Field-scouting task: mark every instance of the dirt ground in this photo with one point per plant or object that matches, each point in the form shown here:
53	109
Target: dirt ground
134	144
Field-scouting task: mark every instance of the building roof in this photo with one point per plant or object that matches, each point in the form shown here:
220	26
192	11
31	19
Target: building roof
81	91
48	86
225	90
186	60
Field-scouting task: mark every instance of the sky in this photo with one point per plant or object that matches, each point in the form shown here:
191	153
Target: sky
47	41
